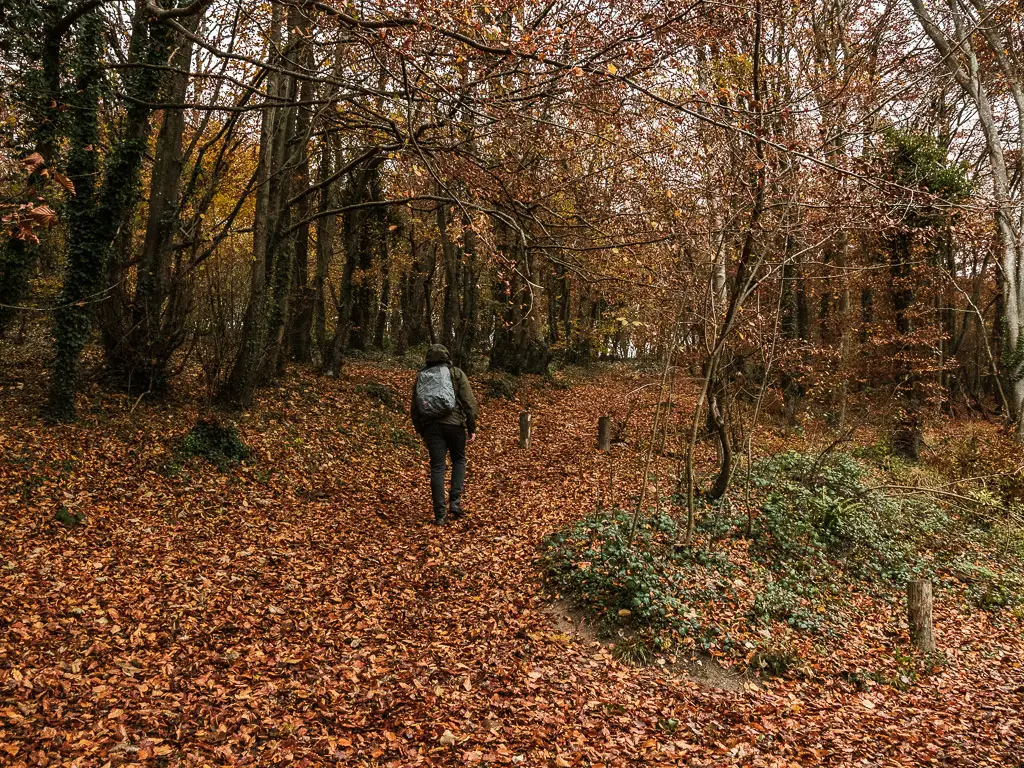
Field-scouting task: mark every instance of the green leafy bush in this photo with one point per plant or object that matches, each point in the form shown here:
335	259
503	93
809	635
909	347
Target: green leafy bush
634	651
382	393
823	531
217	443
988	589
880	453
68	518
1008	536
501	386
781	601
814	524
641	584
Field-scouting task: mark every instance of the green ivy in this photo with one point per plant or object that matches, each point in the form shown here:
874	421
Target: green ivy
782	601
915	159
642	585
84	272
384	394
217	443
17	257
813	526
96	216
1013	359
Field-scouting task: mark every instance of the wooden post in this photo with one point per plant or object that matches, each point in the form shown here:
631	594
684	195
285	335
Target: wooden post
604	433
525	422
919	614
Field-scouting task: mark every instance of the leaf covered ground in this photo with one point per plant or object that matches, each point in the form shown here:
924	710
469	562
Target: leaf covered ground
296	608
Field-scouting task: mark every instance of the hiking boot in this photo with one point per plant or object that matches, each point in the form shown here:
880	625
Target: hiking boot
439	520
456	513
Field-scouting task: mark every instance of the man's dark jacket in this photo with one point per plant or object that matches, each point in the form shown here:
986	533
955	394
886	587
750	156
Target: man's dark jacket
464	413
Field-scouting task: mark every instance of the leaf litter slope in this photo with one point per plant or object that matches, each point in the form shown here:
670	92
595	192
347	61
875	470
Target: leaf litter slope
299	609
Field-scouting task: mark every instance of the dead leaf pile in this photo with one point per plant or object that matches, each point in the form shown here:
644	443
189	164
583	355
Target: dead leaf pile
298	609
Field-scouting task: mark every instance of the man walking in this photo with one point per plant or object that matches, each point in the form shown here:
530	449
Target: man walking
443	412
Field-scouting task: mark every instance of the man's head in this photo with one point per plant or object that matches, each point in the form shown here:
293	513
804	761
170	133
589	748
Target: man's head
438	353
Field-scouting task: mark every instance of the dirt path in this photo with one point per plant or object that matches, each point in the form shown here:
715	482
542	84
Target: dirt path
301	610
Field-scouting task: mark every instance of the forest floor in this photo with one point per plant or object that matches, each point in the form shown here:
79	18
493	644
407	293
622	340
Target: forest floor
299	609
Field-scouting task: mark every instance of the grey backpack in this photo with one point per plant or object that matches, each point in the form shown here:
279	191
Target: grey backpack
435	392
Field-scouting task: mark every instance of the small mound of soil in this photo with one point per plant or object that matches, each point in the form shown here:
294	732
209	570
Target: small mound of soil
702	668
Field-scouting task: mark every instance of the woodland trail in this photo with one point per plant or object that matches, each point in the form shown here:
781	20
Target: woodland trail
301	610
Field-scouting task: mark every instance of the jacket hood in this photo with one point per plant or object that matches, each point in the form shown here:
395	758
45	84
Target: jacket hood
438	353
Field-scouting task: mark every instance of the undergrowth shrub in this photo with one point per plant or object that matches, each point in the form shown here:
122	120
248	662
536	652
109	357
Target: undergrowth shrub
1008	536
385	426
824	535
69	518
879	453
782	601
809	526
635	650
501	386
640	585
775	655
217	443
555	377
384	394
984	458
988	589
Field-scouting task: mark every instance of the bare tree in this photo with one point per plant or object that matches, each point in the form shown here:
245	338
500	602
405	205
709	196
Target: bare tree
956	37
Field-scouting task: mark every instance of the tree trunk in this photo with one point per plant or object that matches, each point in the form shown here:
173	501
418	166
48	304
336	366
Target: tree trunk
907	436
361	242
466	334
843	320
299	318
72	320
506	315
792	392
716	413
415	305
326	229
962	61
451	254
139	348
99	219
385	289
245	373
355	303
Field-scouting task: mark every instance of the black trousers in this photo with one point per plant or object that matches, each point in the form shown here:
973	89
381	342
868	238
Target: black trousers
442	440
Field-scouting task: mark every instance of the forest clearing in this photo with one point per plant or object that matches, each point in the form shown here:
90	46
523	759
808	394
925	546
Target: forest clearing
530	382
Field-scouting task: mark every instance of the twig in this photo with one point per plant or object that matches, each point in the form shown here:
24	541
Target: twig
812	474
925	490
654	436
137	401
